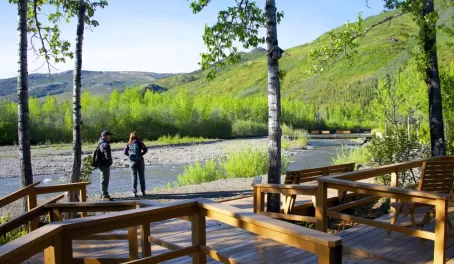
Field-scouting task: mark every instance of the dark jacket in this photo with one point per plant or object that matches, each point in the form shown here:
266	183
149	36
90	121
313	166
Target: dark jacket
105	152
143	148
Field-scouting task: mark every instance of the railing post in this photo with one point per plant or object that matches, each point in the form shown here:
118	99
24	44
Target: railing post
83	198
61	251
330	255
320	208
394	183
441	209
133	245
145	236
32	203
198	228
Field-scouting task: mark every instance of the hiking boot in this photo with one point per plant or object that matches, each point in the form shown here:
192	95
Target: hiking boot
135	195
144	194
106	198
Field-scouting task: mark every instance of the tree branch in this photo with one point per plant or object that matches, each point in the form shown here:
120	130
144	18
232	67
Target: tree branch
380	22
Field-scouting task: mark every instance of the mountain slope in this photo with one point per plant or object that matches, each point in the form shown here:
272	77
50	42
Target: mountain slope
383	50
97	82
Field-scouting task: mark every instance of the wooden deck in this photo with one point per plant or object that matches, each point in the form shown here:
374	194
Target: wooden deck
361	244
231	242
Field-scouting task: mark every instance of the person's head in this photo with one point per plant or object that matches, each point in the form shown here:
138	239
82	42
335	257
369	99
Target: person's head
106	135
133	136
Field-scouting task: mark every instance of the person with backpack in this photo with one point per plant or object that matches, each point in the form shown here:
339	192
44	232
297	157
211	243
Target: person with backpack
135	149
102	159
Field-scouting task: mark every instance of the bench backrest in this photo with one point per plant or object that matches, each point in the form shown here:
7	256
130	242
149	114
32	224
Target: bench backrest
308	175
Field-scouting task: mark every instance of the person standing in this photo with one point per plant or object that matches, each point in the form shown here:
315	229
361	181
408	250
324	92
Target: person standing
105	161
135	149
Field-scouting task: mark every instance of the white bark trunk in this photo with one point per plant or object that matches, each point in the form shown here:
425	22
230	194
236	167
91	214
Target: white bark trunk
26	174
274	105
77	134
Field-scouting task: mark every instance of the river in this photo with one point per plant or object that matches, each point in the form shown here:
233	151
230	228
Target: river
160	175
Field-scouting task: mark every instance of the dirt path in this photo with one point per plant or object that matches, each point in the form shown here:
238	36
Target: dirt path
57	159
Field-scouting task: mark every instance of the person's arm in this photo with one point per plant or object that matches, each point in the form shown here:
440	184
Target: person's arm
126	152
144	149
105	149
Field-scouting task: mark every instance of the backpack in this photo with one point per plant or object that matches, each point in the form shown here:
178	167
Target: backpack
96	157
135	151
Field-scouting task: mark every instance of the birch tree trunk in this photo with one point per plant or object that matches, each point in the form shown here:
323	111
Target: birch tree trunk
274	104
26	175
77	135
428	36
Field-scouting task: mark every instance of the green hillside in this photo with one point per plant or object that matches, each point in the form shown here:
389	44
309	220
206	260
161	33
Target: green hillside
96	82
382	51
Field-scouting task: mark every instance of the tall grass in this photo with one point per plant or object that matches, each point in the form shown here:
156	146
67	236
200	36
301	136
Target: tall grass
198	173
241	164
245	163
179	140
356	155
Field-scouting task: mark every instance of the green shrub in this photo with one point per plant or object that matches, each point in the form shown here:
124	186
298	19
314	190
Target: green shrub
179	140
248	163
242	164
356	155
395	149
197	173
289	144
87	169
242	128
245	163
12	235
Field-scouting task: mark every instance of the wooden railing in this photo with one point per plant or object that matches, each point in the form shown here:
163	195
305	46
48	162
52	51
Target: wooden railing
349	182
34	211
56	238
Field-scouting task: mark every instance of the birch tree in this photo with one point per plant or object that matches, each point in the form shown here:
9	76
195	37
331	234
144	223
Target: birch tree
241	23
83	19
26	174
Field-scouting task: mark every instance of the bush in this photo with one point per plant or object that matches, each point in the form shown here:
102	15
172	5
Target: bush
197	173
245	163
242	164
243	128
179	140
87	169
395	149
12	235
356	155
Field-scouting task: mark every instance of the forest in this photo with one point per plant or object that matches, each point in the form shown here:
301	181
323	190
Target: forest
397	102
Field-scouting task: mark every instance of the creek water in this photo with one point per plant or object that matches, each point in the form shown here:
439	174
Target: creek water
321	154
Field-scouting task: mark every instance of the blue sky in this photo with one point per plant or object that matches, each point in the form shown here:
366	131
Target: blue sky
164	35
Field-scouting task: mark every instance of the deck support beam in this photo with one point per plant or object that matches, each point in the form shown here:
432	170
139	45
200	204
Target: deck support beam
441	216
198	224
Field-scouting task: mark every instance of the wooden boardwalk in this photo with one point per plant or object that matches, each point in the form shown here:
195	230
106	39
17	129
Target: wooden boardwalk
361	244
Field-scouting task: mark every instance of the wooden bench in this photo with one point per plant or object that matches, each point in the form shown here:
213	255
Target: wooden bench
311	175
293	186
326	132
315	132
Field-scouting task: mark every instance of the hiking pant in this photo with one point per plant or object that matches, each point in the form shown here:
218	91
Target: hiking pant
105	175
137	168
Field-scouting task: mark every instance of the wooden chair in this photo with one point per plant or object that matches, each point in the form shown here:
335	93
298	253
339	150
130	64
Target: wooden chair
436	176
311	175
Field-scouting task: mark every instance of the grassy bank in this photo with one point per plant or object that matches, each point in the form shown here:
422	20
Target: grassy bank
244	163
